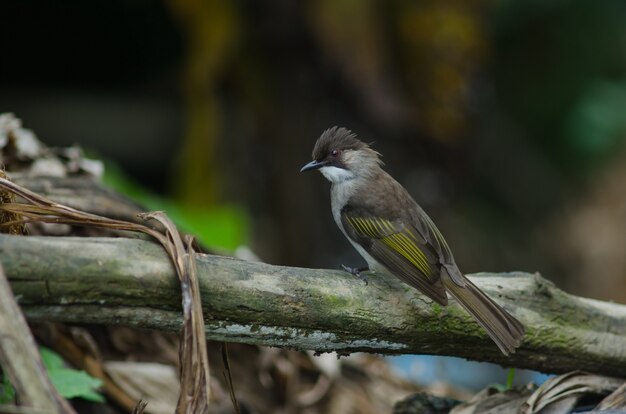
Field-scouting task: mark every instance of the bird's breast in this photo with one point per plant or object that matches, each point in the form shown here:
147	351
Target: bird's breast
340	196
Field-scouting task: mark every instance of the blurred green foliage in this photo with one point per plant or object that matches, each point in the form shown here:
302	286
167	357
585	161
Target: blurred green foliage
70	383
560	72
597	124
219	226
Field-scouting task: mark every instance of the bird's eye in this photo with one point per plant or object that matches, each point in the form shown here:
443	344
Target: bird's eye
334	153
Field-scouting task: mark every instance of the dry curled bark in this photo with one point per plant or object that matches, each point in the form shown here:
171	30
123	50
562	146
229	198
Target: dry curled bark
132	282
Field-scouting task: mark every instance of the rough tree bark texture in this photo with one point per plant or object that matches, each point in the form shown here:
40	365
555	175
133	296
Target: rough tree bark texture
132	283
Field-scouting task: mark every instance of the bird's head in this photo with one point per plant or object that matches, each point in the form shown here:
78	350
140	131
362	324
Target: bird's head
341	156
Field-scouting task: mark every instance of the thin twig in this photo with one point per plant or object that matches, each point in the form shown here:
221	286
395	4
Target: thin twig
229	378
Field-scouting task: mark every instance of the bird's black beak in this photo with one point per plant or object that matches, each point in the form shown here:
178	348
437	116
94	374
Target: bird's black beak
313	165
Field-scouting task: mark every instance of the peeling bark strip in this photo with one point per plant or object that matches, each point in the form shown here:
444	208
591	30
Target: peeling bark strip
132	283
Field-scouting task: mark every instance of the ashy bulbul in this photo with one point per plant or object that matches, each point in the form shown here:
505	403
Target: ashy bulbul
394	235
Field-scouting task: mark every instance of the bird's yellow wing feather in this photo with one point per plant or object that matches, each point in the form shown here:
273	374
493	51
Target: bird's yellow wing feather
402	241
400	249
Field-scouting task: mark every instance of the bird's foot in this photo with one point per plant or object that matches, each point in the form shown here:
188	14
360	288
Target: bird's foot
357	271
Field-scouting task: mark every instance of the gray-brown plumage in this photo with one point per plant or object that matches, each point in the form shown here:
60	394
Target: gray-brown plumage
392	232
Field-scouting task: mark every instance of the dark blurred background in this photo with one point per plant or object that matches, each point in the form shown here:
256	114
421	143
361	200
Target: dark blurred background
506	120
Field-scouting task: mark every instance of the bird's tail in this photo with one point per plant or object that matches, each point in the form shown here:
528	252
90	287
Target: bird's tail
506	331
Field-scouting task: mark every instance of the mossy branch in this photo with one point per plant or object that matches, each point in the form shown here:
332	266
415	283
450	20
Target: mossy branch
132	282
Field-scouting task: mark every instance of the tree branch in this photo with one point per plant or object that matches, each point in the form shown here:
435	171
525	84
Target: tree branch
132	283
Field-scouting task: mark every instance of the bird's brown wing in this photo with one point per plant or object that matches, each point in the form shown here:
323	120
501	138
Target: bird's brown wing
434	240
400	248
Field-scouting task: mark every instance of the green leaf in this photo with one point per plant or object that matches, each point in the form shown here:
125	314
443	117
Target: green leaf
51	359
73	384
509	382
509	378
596	126
221	226
70	383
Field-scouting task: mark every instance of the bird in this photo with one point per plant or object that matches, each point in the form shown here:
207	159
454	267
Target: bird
395	235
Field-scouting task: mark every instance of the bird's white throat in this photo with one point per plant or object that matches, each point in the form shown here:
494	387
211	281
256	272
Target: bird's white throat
337	175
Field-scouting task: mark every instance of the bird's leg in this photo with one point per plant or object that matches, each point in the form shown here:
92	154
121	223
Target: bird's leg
357	271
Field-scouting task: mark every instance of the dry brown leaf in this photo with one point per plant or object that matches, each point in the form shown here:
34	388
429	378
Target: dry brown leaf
140	407
7	197
155	383
560	394
615	400
20	150
142	345
491	401
557	395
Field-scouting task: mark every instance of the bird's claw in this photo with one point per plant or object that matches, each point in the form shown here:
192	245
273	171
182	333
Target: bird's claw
357	271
